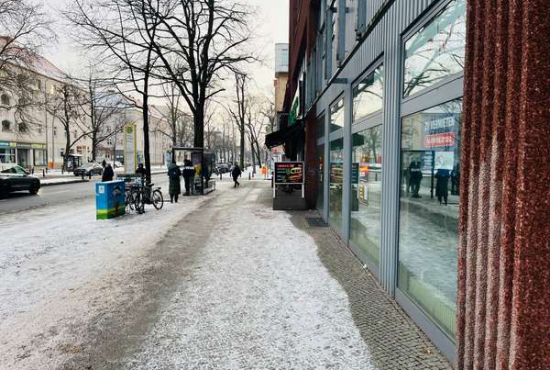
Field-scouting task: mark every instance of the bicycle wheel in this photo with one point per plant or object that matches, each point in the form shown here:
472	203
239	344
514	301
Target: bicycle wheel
130	208
158	200
139	201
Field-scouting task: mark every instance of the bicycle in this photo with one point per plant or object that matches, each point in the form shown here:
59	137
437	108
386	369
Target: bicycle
142	194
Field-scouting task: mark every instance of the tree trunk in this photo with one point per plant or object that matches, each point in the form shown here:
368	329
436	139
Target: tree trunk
94	146
146	133
198	141
242	132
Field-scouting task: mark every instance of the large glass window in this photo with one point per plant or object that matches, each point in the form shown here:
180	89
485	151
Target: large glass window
320	183
7	155
39	157
366	191
336	182
437	50
429	201
368	95
337	118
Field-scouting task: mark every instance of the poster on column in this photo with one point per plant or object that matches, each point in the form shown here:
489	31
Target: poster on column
130	152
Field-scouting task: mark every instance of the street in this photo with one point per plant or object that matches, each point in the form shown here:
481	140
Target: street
61	194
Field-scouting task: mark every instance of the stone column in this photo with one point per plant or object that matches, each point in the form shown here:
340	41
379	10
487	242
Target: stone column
504	252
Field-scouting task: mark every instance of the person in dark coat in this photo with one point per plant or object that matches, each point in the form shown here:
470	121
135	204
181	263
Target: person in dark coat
174	188
104	163
188	176
442	185
236	172
415	177
108	173
141	170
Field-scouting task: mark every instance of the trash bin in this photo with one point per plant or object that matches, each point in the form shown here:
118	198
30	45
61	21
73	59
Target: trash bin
110	199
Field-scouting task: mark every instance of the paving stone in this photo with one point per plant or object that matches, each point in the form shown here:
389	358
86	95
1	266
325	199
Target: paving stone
394	339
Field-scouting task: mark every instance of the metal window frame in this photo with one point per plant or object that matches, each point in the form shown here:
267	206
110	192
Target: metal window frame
420	23
379	62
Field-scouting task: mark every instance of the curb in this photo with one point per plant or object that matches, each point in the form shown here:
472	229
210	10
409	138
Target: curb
62	183
77	181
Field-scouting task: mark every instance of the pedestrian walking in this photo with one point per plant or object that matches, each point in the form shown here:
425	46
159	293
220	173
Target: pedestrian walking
174	176
108	173
188	176
104	163
236	173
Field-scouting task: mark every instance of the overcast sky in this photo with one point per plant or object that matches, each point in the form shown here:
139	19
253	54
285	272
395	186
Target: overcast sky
270	26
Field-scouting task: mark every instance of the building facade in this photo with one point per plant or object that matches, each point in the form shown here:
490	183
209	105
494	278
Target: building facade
41	143
160	143
377	87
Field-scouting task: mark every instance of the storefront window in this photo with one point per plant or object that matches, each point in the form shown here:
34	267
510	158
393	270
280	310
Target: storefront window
429	202
39	157
337	115
366	191
368	95
7	155
336	182
437	50
320	183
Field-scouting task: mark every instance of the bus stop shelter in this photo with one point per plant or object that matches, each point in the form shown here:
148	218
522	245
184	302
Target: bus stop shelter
204	161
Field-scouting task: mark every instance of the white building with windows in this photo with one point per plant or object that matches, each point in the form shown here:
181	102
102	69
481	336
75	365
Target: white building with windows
40	143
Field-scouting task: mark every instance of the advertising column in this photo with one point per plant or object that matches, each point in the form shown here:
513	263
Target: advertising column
130	152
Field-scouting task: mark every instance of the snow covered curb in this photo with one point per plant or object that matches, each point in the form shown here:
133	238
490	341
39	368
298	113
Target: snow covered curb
61	181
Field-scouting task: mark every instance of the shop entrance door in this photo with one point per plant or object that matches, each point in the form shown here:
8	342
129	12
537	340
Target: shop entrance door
23	158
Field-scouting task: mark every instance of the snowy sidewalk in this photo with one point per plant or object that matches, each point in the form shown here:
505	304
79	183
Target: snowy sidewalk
217	282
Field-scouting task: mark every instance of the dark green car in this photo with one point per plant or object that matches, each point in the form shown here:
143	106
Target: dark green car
15	178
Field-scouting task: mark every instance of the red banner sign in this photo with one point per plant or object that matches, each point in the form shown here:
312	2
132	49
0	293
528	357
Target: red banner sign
440	140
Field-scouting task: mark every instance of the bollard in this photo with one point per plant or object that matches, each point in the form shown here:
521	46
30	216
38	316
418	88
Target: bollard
83	175
90	175
43	172
249	176
221	176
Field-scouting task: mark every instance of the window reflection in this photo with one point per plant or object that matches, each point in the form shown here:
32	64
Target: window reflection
437	50
429	201
366	190
336	181
337	115
368	95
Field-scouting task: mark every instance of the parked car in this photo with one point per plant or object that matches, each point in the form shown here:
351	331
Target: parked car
117	164
89	169
16	178
222	168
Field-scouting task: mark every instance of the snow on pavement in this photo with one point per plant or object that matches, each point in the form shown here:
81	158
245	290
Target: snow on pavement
59	268
252	295
260	298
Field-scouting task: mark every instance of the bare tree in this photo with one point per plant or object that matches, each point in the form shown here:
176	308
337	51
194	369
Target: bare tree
106	105
178	126
255	124
198	41
239	112
268	111
67	105
24	29
123	32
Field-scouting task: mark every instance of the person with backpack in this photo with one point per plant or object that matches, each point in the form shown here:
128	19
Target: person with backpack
188	175
174	188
